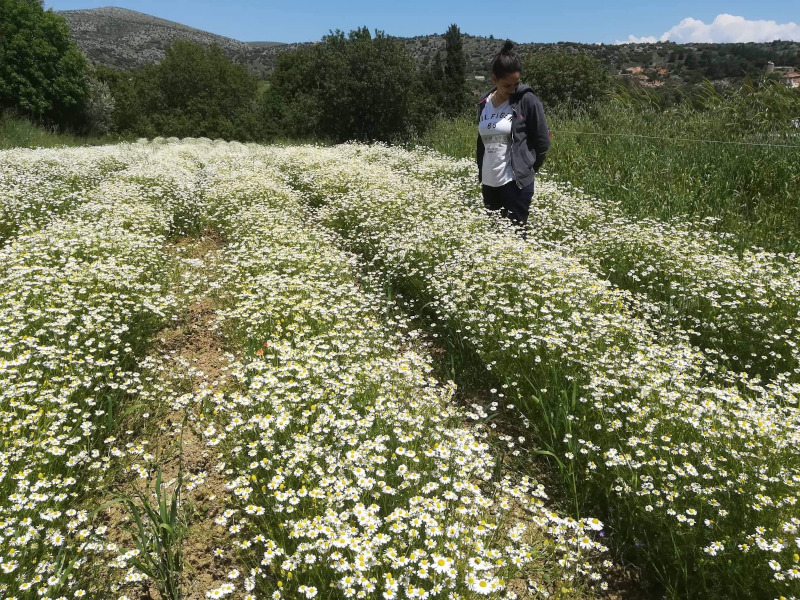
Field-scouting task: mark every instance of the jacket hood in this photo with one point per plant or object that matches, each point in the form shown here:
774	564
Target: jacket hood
521	91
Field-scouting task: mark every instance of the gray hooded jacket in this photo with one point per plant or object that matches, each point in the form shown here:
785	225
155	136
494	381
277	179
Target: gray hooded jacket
530	138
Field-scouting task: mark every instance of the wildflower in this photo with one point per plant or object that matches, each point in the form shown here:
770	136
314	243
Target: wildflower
307	591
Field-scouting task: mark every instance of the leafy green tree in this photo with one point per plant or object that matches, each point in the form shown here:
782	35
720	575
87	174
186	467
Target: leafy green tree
437	73
42	72
566	81
346	87
136	96
428	101
203	93
195	91
290	104
455	72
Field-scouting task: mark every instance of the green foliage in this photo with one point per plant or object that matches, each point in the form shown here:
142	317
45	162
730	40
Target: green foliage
42	72
746	189
346	87
455	71
157	531
440	90
203	92
453	137
136	97
19	132
99	107
195	91
566	81
428	103
289	104
756	108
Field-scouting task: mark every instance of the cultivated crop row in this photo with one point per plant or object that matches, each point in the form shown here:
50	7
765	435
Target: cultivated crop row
747	308
698	467
744	308
350	473
78	298
37	186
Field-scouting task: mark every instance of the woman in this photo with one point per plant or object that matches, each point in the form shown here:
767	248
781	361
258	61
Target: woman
512	139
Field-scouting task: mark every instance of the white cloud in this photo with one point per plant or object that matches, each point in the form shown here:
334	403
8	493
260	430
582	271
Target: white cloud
632	39
724	28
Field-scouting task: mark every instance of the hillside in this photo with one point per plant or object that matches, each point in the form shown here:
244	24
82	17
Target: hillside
124	38
663	63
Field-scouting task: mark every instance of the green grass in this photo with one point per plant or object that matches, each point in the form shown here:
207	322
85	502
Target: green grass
752	192
17	132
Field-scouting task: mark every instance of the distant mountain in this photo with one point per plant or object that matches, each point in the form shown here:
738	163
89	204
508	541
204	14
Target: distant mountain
123	38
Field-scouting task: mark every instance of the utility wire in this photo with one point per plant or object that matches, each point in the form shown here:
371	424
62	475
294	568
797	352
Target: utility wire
674	139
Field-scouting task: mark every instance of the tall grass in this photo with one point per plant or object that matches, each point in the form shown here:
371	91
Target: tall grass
676	171
17	132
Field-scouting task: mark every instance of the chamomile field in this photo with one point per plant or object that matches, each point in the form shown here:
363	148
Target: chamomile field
305	372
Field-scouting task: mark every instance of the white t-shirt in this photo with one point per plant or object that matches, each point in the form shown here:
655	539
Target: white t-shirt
495	131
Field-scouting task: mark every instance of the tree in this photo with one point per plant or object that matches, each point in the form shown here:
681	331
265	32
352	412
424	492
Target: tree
204	93
136	97
434	90
42	72
437	70
566	81
455	71
99	107
428	100
195	91
346	87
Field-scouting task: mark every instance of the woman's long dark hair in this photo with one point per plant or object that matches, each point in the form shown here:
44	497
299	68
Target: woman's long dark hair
506	61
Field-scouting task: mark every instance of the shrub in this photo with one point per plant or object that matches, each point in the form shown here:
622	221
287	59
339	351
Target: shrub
568	81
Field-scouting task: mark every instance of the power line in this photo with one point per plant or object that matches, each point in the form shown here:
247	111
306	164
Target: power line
674	139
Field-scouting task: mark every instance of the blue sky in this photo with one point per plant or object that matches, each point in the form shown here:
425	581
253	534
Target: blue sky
564	20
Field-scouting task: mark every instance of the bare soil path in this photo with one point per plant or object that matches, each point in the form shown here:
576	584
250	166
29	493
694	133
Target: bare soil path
188	360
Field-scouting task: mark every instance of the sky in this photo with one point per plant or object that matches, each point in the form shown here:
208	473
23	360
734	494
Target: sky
589	21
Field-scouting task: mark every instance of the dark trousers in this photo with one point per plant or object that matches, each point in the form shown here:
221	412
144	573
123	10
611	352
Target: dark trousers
512	202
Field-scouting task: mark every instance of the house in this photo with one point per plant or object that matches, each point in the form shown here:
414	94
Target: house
789	75
792	79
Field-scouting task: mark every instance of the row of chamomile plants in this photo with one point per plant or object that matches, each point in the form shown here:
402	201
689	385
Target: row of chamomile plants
696	472
82	288
38	185
350	473
742	308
